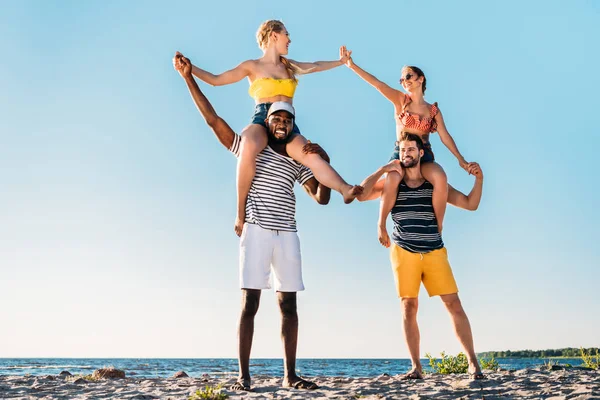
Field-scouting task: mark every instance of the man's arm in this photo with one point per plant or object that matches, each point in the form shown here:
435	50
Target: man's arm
317	191
471	201
373	184
314	188
222	130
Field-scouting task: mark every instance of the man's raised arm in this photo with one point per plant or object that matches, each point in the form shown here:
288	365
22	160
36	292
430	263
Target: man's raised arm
222	130
471	201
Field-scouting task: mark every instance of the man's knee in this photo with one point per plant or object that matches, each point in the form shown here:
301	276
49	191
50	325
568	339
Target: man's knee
254	139
452	303
410	307
287	305
250	302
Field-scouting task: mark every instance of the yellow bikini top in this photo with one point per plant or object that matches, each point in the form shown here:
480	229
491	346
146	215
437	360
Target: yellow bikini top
269	87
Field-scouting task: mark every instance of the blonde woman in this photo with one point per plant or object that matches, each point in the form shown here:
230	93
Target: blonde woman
273	78
414	115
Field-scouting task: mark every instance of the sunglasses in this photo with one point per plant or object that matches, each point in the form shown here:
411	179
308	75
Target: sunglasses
406	77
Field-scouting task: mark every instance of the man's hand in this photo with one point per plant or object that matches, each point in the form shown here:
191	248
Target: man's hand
393	166
345	56
239	225
475	169
313	148
382	234
182	65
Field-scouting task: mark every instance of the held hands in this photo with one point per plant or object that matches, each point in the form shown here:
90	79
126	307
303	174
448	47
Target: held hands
313	148
475	170
182	65
346	56
465	165
383	236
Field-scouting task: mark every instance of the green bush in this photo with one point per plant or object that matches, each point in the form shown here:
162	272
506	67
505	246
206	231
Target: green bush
489	363
209	393
458	365
589	360
449	364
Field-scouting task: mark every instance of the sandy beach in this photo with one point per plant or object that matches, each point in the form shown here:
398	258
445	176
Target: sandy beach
572	383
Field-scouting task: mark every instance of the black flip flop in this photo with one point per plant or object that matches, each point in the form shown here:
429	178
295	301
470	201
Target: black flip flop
305	385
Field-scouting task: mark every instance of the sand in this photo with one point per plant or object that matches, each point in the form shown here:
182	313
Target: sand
534	383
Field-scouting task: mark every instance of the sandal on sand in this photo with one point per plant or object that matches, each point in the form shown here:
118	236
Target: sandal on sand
241	385
412	375
478	375
306	385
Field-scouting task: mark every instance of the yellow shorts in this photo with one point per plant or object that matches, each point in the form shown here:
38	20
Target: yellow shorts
432	268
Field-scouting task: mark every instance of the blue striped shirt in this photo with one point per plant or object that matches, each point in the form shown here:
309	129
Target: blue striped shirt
415	225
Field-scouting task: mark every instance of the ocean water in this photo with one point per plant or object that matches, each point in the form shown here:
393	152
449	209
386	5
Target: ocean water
224	367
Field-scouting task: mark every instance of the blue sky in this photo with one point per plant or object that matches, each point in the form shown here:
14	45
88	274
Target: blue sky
117	205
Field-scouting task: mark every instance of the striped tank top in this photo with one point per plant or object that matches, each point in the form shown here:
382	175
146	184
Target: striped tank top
415	226
271	201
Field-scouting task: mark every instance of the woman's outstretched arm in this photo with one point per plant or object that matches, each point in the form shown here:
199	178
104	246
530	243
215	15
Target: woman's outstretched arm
448	141
393	95
303	68
228	77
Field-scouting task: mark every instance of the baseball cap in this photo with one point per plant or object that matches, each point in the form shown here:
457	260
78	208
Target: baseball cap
281	106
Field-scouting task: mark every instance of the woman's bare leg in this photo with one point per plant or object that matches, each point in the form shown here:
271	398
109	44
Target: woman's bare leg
434	173
321	169
254	140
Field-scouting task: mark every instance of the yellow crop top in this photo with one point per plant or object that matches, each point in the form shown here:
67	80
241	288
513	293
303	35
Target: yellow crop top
269	87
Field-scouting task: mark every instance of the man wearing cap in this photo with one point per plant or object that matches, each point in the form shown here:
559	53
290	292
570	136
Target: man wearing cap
269	239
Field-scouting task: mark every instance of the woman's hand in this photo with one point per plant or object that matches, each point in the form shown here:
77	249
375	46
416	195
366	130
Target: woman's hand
346	56
468	166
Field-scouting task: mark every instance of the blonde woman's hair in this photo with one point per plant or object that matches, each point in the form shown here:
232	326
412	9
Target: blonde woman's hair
262	37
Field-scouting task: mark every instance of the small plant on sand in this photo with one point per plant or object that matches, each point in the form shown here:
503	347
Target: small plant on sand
549	364
88	377
489	363
209	393
589	360
449	364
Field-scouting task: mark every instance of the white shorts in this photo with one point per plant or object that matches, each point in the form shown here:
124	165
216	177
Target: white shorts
263	249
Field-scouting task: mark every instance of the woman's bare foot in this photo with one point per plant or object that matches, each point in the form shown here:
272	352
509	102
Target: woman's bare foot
351	192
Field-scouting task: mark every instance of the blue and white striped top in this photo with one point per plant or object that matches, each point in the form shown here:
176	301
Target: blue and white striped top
271	201
415	225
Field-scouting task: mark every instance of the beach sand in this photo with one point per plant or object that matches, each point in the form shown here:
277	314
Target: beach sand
572	383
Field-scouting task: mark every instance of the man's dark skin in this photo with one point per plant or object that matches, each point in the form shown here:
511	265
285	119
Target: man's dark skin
279	125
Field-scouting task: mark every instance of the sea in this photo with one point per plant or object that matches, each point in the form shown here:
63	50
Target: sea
228	367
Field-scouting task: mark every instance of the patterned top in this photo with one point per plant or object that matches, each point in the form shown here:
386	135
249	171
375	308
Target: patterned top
414	121
271	201
415	225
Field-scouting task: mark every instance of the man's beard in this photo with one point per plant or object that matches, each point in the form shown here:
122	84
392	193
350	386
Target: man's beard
412	163
278	139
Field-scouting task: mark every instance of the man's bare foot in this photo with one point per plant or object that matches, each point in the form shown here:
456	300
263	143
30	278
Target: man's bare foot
242	385
299	383
351	193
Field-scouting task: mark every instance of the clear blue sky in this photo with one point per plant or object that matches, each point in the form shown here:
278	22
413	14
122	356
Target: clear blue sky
117	204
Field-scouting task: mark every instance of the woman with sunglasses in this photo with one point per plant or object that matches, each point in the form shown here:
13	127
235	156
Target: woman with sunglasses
414	115
273	78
